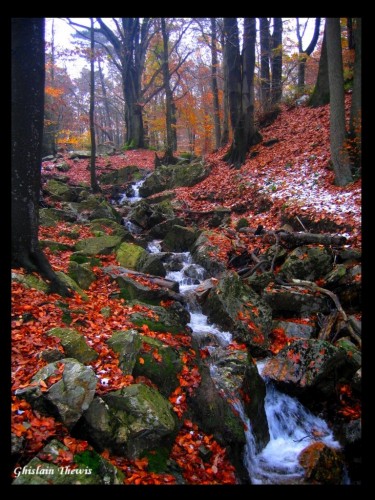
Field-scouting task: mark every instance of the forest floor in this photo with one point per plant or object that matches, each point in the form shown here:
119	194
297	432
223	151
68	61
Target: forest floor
294	172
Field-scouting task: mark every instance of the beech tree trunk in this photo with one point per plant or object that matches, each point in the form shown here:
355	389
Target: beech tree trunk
240	83
28	76
356	107
214	86
94	183
276	60
170	118
339	153
225	130
320	95
265	82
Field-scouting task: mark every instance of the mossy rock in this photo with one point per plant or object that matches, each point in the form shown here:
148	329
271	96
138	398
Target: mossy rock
131	256
70	283
55	246
123	175
172	319
179	239
102	245
307	263
59	191
81	274
74	344
152	264
30	281
206	253
162	371
322	464
47	215
116	228
127	345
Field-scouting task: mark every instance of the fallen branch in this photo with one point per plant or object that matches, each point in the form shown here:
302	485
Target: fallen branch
300	238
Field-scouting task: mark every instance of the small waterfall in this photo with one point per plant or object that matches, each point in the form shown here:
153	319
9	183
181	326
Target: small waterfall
134	196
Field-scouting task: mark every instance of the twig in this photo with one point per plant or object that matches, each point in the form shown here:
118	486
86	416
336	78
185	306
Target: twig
299	220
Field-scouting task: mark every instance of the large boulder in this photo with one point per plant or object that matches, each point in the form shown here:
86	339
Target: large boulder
322	464
172	176
172	319
102	245
295	301
74	345
215	415
123	175
127	345
30	281
81	274
345	280
294	329
153	264
88	468
159	231
65	399
49	216
131	256
71	283
60	191
207	249
179	239
160	363
94	207
234	306
114	227
130	421
237	373
310	369
307	263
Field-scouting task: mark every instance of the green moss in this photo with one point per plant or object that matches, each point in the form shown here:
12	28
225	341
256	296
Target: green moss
242	223
88	459
155	326
130	255
157	460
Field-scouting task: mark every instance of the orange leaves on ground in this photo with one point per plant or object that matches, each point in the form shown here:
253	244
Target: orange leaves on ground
136	471
189	378
294	356
201	458
141	361
157	356
235	346
75	445
178	400
278	340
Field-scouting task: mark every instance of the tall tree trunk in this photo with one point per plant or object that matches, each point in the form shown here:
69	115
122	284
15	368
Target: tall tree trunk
320	95
51	125
276	60
349	25
265	83
356	107
28	77
303	54
94	183
108	121
339	153
240	82
214	86
169	113
225	130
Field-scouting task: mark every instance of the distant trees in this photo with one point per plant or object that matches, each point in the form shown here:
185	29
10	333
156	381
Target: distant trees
303	54
339	152
94	183
28	76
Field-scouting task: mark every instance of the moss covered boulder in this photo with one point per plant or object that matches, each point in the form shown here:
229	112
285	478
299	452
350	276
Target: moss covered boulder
160	363
172	176
60	191
153	264
237	308
127	345
173	318
70	283
81	274
49	216
130	173
115	228
307	263
322	464
68	397
131	256
30	281
130	421
102	245
206	251
179	239
310	369
74	344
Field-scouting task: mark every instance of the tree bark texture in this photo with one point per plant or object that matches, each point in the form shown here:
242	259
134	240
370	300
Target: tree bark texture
320	95
265	82
214	86
303	54
356	107
94	183
276	60
339	153
28	77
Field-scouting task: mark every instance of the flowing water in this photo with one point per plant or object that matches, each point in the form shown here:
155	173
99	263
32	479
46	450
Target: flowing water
292	427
